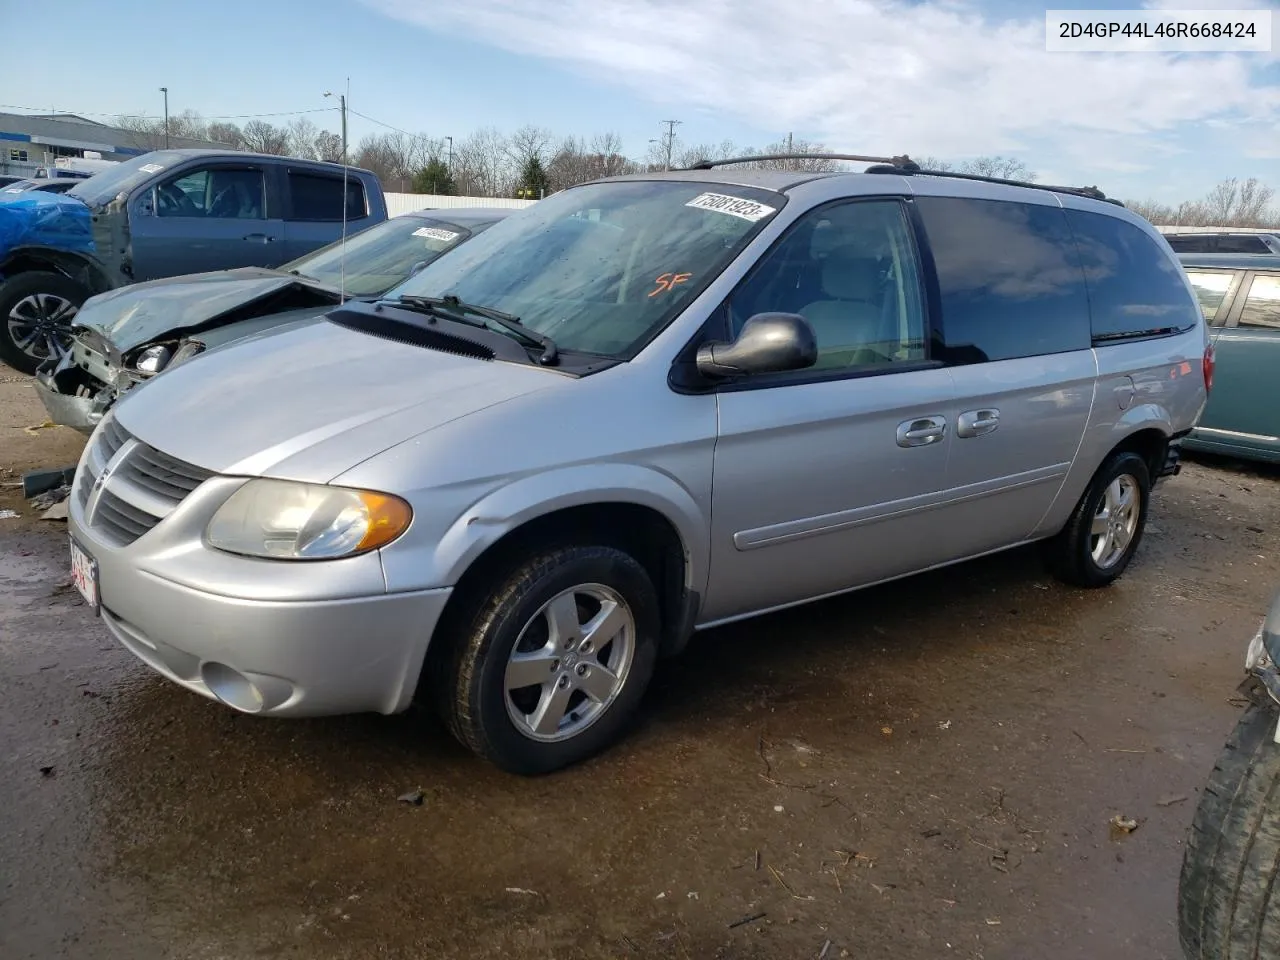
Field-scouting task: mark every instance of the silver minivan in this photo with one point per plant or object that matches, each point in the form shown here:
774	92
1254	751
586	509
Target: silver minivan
639	408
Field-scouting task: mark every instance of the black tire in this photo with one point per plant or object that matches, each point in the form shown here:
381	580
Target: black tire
17	289
469	669
1070	554
1229	892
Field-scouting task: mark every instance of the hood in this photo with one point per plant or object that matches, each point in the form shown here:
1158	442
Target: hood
45	220
311	402
128	317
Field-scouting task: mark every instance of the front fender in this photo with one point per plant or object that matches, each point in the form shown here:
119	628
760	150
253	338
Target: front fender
505	509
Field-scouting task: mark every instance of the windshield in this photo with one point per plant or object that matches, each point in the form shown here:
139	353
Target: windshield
124	176
384	255
602	268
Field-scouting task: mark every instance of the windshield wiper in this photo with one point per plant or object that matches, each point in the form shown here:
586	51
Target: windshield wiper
454	309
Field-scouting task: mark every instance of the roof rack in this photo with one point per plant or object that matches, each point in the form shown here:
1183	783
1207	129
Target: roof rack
903	163
1092	193
905	166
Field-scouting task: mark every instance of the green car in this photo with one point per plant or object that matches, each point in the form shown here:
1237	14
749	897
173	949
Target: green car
1240	294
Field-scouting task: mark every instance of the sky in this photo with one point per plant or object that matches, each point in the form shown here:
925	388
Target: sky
943	78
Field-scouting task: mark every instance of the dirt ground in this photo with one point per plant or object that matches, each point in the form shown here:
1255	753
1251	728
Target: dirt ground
918	771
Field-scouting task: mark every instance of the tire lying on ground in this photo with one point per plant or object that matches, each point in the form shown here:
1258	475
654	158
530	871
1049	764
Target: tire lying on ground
1229	892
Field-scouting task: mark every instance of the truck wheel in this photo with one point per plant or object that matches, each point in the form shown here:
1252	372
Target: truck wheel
36	309
1103	533
550	664
1229	893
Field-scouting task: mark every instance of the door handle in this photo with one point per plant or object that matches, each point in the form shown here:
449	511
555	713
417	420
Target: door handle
921	431
975	423
260	237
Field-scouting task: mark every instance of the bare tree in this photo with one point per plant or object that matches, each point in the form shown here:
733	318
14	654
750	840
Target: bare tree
688	156
1005	168
608	147
262	137
528	143
228	133
1253	208
933	163
328	146
302	138
481	166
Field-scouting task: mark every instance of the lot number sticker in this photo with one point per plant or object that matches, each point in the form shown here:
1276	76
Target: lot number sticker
734	206
435	233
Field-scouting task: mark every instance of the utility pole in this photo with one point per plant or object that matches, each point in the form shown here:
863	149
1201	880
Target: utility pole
788	143
449	163
342	108
165	91
670	138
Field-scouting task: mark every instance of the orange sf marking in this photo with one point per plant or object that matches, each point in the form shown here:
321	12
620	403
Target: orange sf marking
667	281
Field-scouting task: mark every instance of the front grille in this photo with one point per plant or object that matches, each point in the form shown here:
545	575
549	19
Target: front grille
145	487
162	474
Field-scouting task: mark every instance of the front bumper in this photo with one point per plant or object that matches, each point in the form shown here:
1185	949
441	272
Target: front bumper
268	637
78	413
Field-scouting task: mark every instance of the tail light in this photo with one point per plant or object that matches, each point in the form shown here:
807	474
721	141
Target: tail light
1209	360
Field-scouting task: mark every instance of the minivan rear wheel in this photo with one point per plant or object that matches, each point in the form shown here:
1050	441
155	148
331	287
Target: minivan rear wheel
550	663
1104	531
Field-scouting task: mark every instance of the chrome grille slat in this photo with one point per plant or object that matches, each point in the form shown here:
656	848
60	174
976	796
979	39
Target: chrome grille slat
119	521
146	486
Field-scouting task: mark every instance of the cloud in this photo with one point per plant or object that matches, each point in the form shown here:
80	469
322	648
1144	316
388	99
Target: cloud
876	76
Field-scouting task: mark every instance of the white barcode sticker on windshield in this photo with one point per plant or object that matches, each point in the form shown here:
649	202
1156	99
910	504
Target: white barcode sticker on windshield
734	206
435	233
151	167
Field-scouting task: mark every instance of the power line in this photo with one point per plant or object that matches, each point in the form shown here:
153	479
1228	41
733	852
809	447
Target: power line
414	136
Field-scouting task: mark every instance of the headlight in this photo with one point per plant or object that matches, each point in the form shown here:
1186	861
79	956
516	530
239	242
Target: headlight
152	360
284	520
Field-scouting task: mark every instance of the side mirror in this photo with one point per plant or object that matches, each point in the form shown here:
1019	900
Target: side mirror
768	343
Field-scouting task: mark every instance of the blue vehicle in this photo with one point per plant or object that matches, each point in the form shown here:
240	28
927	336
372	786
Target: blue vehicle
164	214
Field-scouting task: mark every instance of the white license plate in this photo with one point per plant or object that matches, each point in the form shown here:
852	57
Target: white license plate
84	574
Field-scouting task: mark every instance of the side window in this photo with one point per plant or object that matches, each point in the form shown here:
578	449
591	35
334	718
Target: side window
851	271
1262	305
1185	243
319	198
1211	289
1135	287
218	193
1242	244
1009	278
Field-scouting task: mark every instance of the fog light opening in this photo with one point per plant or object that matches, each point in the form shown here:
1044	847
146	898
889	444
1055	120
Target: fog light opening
231	687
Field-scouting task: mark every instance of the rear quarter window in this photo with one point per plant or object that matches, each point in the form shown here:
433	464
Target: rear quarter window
1135	288
1009	279
1245	244
318	197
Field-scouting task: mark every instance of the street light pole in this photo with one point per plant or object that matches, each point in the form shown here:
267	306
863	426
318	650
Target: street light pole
165	91
450	162
670	139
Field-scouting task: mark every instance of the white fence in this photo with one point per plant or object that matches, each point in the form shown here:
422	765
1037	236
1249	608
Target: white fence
398	203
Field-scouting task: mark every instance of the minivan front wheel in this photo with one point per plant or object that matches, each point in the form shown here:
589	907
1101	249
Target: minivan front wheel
1106	527
553	660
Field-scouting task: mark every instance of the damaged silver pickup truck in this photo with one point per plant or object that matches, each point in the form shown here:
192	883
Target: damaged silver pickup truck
126	336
